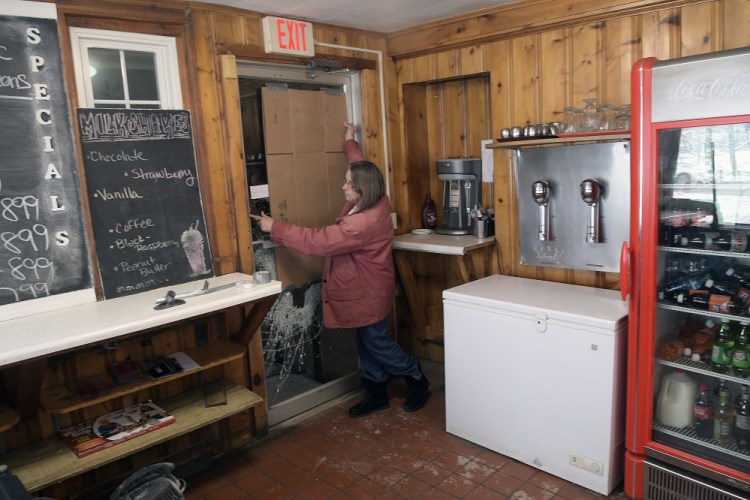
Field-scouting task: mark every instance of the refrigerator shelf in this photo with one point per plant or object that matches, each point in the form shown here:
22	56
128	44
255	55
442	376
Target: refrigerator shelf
688	434
702	312
688	364
702	187
693	251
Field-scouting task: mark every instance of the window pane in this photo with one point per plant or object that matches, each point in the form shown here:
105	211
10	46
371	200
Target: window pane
106	74
141	71
145	106
116	106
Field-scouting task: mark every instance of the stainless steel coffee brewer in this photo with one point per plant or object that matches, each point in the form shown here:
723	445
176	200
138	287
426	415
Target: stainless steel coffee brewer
461	192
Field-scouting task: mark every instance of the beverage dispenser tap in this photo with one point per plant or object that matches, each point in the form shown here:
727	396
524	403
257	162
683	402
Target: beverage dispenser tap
540	192
591	191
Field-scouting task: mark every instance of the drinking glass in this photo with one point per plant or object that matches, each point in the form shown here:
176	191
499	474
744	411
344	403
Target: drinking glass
572	120
607	116
590	116
622	122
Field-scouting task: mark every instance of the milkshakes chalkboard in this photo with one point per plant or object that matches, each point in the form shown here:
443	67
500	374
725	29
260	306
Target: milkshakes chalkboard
146	209
43	249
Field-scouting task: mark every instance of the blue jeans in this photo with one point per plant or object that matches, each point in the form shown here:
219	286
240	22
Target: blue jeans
381	357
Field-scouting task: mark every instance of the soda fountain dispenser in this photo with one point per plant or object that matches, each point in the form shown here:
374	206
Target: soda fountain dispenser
540	191
591	191
461	192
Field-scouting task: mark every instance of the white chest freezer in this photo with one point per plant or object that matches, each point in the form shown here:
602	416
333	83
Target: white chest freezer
535	370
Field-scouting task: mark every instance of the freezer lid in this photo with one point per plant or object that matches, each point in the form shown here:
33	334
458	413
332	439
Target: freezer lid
594	307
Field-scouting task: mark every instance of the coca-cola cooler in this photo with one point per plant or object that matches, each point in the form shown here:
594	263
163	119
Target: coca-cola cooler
690	216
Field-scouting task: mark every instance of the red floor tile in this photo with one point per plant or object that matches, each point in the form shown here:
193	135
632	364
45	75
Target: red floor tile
389	454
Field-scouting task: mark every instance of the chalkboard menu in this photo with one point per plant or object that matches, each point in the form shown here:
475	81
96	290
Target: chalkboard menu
43	250
146	209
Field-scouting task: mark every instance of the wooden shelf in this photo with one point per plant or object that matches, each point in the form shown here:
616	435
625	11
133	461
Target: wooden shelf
618	135
8	417
60	400
50	461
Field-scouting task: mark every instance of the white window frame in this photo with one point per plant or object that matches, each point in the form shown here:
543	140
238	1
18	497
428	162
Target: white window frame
165	56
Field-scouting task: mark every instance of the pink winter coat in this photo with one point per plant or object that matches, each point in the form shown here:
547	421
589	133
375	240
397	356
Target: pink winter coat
358	274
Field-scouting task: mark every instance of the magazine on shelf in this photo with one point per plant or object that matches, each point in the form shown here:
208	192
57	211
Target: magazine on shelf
114	428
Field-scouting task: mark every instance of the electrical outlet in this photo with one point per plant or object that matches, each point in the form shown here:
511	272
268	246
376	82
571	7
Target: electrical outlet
586	463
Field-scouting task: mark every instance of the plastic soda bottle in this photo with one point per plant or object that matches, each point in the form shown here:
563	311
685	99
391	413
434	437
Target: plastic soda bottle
742	419
741	352
704	412
724	419
721	354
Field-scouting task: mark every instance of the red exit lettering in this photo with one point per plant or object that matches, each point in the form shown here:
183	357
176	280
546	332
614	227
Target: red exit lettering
291	34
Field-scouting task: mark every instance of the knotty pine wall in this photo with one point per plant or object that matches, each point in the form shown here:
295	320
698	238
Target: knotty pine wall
453	83
537	57
209	40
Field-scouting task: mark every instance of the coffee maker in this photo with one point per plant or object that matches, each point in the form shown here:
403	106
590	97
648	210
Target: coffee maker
461	192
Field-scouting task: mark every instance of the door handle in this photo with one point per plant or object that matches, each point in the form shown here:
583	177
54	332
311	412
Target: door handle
625	271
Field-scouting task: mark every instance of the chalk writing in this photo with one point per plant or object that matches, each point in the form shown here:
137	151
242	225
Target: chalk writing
147	214
42	245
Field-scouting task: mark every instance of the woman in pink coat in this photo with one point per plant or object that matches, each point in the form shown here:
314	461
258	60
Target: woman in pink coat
359	279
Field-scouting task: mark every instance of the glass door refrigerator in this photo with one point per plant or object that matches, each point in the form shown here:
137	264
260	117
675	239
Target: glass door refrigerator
687	270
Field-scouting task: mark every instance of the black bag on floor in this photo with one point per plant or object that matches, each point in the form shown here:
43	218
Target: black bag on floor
154	482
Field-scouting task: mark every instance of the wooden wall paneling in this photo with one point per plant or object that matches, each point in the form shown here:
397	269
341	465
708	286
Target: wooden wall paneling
229	28
554	80
511	20
220	200
425	68
525	101
234	155
446	64
479	127
252	31
417	179
698	29
496	65
453	112
620	53
736	23
657	31
587	74
471	60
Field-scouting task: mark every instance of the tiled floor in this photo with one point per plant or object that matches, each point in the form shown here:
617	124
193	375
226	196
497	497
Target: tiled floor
389	454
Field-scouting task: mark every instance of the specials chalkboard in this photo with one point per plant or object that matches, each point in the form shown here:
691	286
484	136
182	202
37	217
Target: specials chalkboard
146	209
43	249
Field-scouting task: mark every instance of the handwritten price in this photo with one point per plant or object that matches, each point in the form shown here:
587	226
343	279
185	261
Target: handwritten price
9	239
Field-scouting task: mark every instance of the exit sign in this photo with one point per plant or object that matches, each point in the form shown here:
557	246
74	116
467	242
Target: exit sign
288	36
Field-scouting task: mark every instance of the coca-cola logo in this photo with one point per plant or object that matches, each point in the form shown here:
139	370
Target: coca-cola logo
727	85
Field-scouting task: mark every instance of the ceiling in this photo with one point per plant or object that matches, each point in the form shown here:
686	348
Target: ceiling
381	16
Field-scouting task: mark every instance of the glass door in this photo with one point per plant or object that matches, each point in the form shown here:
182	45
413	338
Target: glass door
305	364
703	293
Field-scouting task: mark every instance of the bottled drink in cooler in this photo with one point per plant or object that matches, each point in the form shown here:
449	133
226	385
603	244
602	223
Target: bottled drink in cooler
703	240
721	287
730	241
742	419
741	352
724	419
721	354
701	299
704	412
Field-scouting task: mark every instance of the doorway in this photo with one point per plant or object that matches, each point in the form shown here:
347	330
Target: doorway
305	364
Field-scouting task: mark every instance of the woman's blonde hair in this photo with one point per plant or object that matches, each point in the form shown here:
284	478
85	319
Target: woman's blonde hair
367	181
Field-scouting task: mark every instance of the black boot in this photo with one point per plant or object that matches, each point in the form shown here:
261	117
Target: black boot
376	398
416	392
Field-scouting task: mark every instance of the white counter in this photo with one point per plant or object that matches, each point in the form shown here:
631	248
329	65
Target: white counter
445	244
46	333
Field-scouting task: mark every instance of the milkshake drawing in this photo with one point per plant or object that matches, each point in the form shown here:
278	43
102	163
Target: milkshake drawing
193	244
